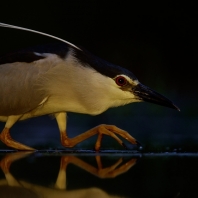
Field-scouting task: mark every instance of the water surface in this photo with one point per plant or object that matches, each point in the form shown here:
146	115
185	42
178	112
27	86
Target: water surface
58	173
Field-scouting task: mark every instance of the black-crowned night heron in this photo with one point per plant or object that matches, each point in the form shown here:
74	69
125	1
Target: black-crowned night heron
56	79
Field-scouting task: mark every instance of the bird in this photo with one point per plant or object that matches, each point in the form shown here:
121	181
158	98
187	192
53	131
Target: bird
61	77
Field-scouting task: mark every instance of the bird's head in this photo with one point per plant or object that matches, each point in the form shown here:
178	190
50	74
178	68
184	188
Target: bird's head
138	92
121	84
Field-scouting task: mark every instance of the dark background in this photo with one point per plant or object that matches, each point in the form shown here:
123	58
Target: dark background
156	41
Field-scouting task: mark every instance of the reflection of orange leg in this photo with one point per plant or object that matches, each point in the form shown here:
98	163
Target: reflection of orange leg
99	163
109	172
10	158
103	172
122	169
100	130
5	164
61	182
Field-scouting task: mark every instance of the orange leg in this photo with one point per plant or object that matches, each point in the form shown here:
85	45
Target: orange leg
7	139
100	130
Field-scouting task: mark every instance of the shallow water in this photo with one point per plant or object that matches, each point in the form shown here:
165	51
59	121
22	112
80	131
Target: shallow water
84	173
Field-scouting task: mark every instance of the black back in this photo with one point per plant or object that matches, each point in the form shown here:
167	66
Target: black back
28	55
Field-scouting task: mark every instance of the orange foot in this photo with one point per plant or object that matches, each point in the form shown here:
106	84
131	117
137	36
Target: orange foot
101	130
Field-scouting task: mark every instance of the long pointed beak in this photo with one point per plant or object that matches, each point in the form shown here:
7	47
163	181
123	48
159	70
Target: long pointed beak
146	94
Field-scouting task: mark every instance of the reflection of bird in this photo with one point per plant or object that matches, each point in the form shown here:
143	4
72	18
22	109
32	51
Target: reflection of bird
14	187
65	78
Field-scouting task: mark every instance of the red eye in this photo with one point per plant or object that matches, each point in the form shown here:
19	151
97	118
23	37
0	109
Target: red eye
121	81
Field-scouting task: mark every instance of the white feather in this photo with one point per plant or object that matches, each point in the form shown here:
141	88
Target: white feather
37	32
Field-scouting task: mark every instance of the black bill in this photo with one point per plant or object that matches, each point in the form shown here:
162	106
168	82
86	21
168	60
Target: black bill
146	94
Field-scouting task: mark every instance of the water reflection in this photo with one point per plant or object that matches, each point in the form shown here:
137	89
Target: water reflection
15	186
116	174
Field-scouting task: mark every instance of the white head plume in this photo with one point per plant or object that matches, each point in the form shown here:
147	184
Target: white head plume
37	32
